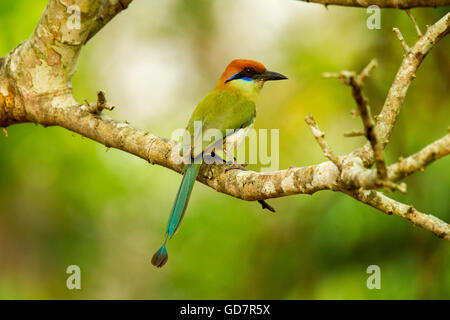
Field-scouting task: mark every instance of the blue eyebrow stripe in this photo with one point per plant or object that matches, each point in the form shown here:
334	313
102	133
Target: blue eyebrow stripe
233	77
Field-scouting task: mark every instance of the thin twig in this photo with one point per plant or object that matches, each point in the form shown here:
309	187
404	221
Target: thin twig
354	134
392	185
355	112
365	73
408	12
319	135
402	40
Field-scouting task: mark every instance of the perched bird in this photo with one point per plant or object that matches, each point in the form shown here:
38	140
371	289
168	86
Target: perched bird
231	105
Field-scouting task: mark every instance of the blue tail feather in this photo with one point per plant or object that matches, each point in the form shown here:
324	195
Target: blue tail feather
190	172
182	198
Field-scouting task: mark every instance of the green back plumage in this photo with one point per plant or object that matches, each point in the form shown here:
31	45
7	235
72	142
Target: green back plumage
222	110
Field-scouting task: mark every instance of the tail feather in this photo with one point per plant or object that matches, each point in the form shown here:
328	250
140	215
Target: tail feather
190	173
182	199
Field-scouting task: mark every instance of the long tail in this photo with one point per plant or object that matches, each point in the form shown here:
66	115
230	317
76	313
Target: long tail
179	208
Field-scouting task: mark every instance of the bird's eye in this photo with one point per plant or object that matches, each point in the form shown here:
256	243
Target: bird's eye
248	70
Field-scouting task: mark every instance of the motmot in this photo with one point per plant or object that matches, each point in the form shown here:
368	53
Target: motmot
230	107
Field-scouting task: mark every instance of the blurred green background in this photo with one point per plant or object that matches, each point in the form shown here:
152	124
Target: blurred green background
64	200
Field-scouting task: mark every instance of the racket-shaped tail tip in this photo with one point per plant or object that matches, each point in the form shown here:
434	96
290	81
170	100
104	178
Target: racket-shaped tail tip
160	258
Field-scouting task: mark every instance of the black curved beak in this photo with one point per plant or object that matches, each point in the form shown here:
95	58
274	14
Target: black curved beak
270	75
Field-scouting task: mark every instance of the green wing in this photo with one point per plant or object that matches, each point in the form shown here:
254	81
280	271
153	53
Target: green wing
222	110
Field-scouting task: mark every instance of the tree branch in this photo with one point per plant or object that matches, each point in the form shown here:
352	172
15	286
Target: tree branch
396	4
390	206
405	166
397	92
35	87
246	185
108	10
418	161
